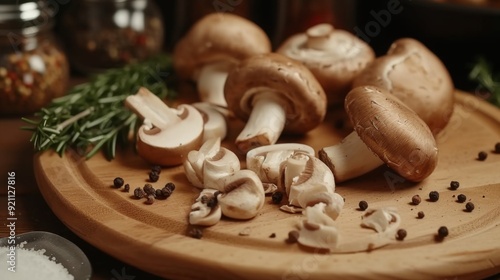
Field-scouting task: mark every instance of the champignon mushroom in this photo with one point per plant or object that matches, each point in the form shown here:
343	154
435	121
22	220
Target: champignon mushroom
318	230
215	122
168	134
211	47
266	160
385	131
243	195
334	56
417	77
273	94
202	213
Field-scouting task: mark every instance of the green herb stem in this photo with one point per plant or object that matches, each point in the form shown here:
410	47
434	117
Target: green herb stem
92	116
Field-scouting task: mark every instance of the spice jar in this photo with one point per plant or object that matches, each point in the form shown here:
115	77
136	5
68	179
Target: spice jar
104	34
33	67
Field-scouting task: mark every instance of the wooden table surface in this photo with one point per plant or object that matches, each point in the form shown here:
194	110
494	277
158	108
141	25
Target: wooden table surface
33	214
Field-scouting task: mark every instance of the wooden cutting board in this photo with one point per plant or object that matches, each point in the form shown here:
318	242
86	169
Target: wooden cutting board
154	237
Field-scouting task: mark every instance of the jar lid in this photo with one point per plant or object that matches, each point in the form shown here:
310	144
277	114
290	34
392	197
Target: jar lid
25	16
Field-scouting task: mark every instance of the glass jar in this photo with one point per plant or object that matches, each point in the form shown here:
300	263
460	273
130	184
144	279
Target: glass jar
104	34
33	67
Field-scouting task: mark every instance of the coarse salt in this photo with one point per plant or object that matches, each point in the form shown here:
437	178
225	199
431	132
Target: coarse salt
32	264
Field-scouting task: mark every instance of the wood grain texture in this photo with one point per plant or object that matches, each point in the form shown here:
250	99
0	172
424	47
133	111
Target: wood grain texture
153	237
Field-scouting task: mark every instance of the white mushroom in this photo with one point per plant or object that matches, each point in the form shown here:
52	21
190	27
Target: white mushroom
195	160
300	173
384	221
243	195
266	160
317	229
167	134
215	125
202	212
218	167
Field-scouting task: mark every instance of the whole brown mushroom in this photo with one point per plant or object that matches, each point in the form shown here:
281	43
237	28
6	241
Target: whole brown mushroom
273	94
385	131
213	45
334	56
417	77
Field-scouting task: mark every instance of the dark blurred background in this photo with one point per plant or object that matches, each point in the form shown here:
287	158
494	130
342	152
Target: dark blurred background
457	32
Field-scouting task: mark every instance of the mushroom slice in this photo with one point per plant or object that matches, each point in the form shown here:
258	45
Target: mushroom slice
334	56
212	46
303	173
204	213
215	125
266	160
195	160
334	202
216	168
317	229
273	94
384	221
385	131
243	195
168	134
416	76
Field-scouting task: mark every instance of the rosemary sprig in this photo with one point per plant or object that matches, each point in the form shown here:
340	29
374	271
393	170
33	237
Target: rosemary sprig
482	73
92	117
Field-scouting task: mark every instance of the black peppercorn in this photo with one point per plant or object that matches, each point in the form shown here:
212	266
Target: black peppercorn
461	198
212	201
139	193
454	185
420	214
363	205
150	199
273	235
277	197
442	232
497	148
118	182
415	200
293	236
149	189
195	232
433	196
154	176
170	186
401	234
156	168
469	206
482	155
126	188
158	193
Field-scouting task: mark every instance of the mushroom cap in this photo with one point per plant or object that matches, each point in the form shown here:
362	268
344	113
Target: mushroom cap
218	37
170	146
301	95
417	77
392	131
335	63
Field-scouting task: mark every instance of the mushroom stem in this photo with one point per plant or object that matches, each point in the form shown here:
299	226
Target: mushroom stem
151	108
318	36
210	82
265	124
349	158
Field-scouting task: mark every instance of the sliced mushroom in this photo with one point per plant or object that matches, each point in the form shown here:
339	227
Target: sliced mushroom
318	230
385	131
334	202
384	220
273	94
216	168
243	196
212	46
215	122
417	77
334	56
266	160
303	173
168	134
202	213
195	160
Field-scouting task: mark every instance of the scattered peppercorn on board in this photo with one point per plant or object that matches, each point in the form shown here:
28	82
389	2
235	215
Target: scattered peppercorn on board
154	237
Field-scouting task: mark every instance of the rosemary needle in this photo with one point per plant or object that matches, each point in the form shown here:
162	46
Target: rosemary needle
92	117
482	74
